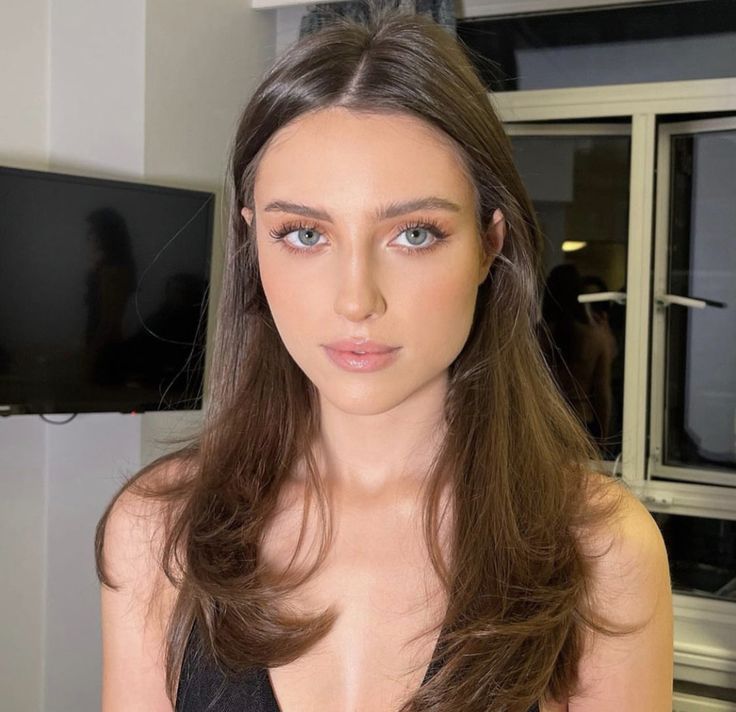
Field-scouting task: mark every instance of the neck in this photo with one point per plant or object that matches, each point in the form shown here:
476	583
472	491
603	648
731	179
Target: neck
373	452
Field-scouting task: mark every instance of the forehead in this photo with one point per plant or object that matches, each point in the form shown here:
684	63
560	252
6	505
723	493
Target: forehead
337	154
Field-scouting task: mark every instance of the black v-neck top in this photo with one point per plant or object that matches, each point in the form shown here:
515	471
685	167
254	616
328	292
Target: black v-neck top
204	687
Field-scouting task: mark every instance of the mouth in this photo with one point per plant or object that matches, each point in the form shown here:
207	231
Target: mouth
361	353
361	359
360	347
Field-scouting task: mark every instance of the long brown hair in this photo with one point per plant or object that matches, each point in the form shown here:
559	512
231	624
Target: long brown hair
515	458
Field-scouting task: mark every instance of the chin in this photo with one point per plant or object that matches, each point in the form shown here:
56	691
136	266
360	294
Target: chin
362	400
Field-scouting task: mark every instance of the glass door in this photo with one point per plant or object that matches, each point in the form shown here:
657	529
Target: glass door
578	178
693	413
693	401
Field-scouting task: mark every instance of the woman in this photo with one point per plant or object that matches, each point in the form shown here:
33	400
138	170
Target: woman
579	350
110	283
415	527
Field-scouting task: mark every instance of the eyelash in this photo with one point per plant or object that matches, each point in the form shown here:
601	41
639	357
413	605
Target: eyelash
429	224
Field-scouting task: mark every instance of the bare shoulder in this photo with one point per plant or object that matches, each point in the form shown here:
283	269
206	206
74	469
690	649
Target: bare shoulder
135	609
133	528
629	539
630	588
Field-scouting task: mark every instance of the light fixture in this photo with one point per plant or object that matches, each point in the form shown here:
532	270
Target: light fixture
573	245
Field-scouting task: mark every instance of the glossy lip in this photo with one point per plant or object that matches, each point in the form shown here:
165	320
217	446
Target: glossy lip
374	355
361	363
360	345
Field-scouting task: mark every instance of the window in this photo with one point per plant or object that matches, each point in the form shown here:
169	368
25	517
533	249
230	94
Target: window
702	554
637	181
578	180
694	391
646	42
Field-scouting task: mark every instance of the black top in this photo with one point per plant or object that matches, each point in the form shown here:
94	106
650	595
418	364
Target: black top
203	687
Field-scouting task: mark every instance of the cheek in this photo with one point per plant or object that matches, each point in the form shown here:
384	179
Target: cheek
429	310
295	302
447	317
279	286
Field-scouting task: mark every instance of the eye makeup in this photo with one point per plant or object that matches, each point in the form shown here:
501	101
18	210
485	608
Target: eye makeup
439	234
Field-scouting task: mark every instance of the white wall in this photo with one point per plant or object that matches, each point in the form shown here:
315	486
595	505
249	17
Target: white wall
146	89
22	547
23	143
23	82
97	86
288	21
86	461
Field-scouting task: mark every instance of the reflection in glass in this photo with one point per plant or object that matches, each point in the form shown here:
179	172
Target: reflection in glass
702	554
700	406
594	46
580	189
109	284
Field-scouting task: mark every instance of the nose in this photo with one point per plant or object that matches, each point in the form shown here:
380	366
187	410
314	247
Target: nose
358	296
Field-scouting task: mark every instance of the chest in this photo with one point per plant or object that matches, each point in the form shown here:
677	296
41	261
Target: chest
379	579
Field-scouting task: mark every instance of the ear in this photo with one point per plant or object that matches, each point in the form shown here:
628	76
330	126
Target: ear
247	214
493	243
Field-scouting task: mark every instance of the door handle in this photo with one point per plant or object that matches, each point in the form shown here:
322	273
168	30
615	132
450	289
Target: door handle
618	297
665	300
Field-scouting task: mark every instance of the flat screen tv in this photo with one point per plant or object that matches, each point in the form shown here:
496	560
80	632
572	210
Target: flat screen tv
104	292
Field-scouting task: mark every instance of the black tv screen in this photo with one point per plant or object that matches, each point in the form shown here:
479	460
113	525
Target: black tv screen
104	293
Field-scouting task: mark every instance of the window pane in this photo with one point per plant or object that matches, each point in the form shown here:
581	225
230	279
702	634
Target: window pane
580	189
702	554
700	405
671	41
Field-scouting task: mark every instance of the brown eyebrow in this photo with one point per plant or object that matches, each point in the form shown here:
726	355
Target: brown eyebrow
391	210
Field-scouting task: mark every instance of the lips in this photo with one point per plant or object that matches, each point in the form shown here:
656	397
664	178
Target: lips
361	346
374	357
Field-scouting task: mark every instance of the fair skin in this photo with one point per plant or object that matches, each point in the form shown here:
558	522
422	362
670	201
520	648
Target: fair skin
357	280
377	429
360	274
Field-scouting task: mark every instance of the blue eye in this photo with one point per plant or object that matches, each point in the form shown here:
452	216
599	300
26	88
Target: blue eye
417	235
307	237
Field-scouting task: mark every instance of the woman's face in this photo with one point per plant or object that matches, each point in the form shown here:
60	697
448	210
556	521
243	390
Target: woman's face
344	268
